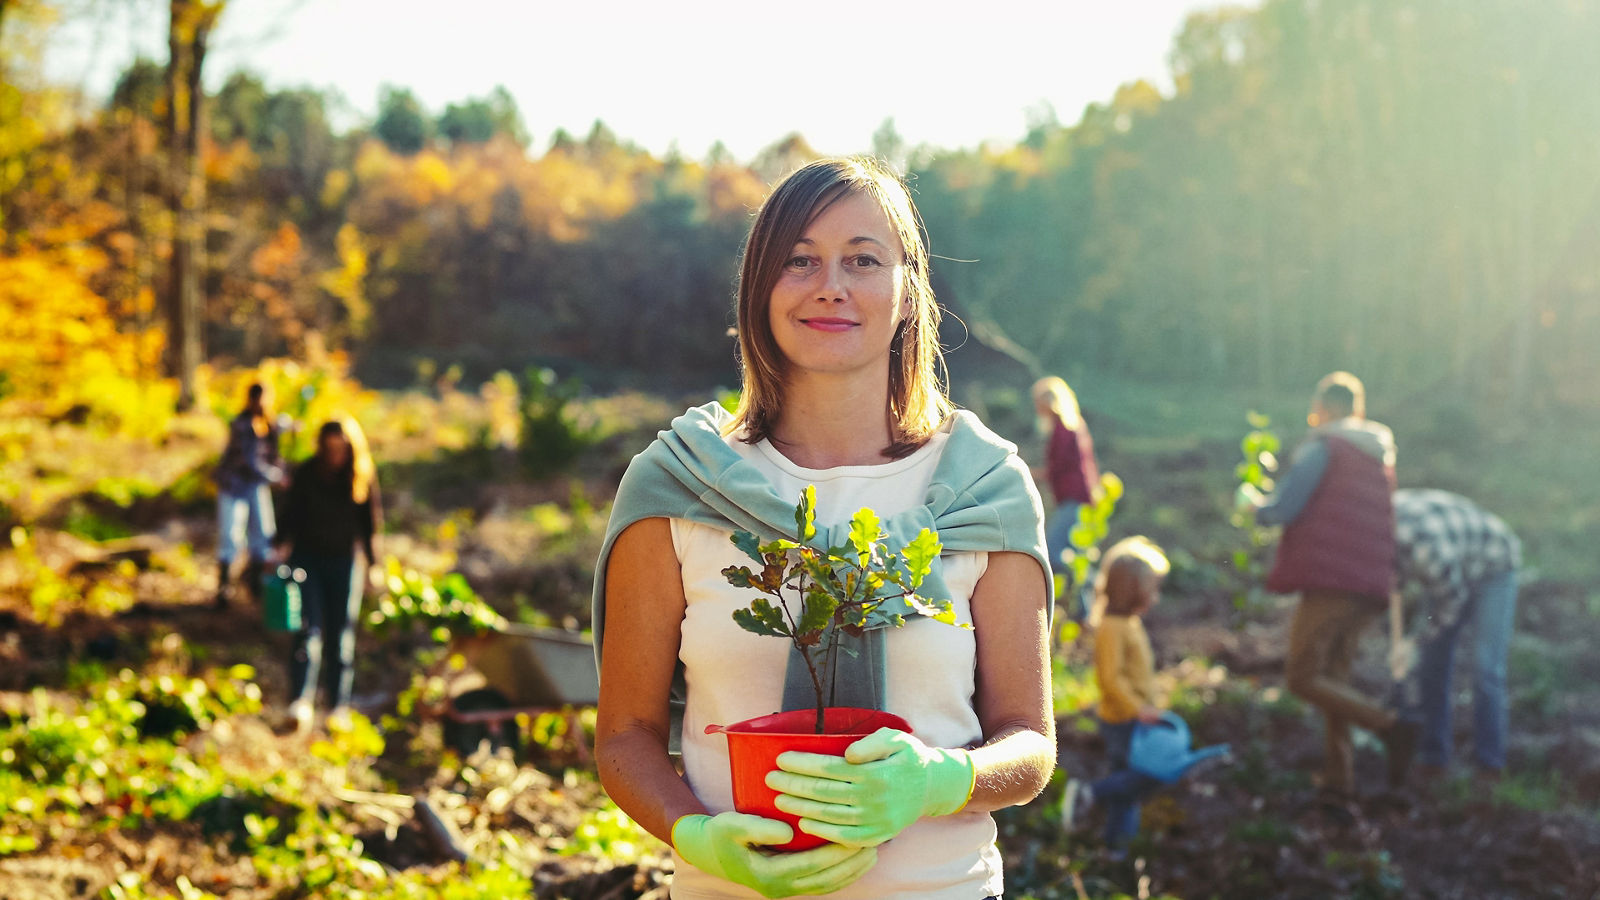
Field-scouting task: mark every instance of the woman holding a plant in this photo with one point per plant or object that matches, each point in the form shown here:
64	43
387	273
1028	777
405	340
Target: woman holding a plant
842	406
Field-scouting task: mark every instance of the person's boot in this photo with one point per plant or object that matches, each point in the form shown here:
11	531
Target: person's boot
224	570
252	578
1400	745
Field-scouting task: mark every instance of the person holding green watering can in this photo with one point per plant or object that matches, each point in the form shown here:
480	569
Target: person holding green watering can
249	468
332	508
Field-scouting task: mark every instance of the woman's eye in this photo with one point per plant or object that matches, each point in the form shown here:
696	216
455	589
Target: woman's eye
865	261
798	262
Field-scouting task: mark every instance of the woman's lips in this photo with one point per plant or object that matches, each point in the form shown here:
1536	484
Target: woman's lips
825	323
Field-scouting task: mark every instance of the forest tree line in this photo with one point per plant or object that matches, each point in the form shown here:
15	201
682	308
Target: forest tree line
1405	188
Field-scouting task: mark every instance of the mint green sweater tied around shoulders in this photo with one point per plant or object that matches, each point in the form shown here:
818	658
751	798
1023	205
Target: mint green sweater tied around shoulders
981	498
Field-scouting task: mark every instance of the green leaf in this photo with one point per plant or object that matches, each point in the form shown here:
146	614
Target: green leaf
1080	569
1070	631
1241	560
769	614
824	575
1257	420
1081	535
750	621
1111	486
920	554
749	543
864	531
805	515
740	576
747	620
938	610
818	611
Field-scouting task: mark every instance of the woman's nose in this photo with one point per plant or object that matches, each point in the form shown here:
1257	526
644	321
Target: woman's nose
833	282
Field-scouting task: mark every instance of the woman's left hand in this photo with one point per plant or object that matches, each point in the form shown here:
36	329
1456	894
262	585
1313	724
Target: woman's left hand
884	782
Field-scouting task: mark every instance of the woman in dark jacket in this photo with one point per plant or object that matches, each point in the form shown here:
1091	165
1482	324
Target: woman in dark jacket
332	509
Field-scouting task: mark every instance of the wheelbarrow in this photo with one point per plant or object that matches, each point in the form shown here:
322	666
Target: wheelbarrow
527	670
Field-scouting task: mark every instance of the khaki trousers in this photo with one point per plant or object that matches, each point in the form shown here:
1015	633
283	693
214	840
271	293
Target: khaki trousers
1323	639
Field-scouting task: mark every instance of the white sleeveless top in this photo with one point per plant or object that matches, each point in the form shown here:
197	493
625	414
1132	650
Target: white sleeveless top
733	675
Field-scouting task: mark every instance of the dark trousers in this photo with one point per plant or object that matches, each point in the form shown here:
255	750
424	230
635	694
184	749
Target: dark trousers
1121	792
330	603
1323	638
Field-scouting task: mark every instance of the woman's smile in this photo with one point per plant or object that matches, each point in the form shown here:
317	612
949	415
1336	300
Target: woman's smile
829	323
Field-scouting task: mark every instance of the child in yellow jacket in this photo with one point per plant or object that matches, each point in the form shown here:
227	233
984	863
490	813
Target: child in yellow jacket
1129	584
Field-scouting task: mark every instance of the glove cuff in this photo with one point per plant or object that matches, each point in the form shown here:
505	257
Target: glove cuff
687	828
956	779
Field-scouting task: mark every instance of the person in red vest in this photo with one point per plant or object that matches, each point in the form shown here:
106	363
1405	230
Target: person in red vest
1337	552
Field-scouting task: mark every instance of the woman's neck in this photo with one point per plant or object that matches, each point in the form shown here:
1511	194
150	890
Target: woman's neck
830	421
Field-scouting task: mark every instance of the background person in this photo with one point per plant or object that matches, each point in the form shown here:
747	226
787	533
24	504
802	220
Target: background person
1069	465
1458	565
838	340
331	510
1337	552
250	466
1128	585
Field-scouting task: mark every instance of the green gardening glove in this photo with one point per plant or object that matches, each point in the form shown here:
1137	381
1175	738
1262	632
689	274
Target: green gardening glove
883	783
728	845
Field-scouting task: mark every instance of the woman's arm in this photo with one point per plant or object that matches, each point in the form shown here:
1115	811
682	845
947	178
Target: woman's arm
644	617
371	522
1013	686
289	518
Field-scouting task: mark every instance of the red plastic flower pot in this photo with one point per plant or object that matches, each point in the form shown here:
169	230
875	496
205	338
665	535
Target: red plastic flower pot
754	745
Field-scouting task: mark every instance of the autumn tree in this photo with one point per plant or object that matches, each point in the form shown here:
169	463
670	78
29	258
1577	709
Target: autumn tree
188	33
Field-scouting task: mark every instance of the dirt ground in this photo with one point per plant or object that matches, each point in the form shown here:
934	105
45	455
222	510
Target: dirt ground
1249	829
1254	828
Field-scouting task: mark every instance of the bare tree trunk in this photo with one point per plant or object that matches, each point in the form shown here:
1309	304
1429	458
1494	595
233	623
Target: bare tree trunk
1523	318
190	26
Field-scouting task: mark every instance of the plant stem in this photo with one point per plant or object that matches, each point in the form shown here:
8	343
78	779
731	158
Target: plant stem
805	654
816	685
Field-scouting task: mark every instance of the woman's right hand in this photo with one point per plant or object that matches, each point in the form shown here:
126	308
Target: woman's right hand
728	845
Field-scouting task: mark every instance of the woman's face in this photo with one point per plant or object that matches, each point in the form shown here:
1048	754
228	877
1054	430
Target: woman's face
334	450
841	294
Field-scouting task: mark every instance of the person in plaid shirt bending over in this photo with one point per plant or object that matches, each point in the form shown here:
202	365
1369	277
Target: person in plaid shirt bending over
1458	563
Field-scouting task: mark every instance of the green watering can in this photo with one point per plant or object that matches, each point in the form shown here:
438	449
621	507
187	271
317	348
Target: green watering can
280	598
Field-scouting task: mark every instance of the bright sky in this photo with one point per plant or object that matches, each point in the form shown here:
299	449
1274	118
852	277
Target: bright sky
745	72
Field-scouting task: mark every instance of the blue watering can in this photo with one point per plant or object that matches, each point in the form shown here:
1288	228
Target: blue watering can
1162	752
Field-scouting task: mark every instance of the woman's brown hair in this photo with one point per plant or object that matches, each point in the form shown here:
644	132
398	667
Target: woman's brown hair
359	467
918	404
